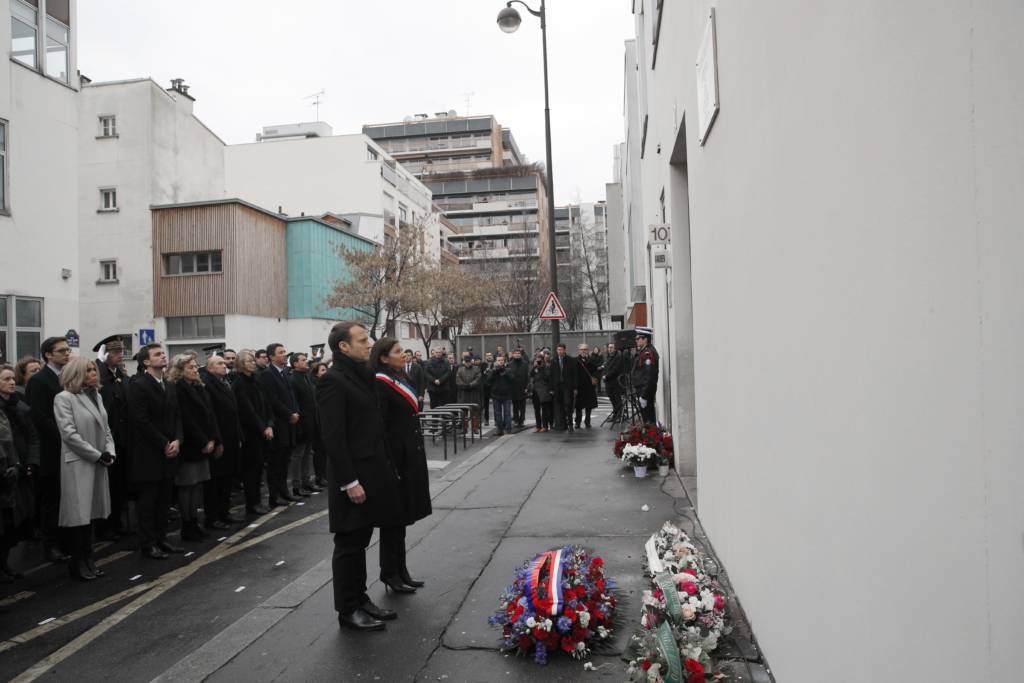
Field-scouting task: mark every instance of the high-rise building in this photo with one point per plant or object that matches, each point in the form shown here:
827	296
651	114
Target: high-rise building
581	234
39	100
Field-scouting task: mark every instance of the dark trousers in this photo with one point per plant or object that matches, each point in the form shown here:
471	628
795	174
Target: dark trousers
253	457
48	500
437	397
542	412
563	407
152	509
320	456
487	405
502	414
116	476
277	469
392	552
348	565
78	542
217	498
580	414
519	410
648	413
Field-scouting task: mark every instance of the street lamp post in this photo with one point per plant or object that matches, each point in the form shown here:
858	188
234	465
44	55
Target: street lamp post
509	22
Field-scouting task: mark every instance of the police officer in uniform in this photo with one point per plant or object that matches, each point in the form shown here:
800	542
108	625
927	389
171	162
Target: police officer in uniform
114	392
645	373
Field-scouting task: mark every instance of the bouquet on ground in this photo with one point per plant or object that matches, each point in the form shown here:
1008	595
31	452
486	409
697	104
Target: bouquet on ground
652	436
559	601
685	606
638	455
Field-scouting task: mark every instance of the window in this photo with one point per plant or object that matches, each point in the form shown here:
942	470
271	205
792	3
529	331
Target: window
108	199
193	262
24	19
58	37
108	126
3	167
195	327
24	337
371	154
108	271
403	213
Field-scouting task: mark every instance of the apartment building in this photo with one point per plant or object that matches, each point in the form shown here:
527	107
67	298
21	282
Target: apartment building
838	311
39	101
139	145
581	235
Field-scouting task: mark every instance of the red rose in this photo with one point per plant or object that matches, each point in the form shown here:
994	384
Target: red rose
695	670
570	613
719	602
525	644
690	588
552	641
567	644
540	634
597	562
691	571
646	665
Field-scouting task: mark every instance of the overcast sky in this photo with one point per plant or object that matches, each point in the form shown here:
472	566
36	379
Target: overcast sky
251	63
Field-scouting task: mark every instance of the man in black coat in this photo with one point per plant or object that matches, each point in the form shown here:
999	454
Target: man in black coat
437	378
417	376
156	445
226	463
286	417
40	391
520	372
114	391
363	485
564	380
301	466
614	367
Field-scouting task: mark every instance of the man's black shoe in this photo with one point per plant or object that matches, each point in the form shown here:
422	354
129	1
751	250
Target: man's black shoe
296	493
360	621
218	525
154	553
169	547
257	510
288	499
378	612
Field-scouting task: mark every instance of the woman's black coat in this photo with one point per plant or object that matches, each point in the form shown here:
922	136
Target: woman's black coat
225	409
197	421
405	444
254	412
353	434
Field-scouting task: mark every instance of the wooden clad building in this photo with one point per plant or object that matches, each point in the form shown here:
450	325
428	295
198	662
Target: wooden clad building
220	257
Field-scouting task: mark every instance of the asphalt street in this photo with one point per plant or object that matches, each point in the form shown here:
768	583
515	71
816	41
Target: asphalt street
257	605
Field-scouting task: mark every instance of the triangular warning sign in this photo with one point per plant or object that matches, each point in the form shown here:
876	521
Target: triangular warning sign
552	309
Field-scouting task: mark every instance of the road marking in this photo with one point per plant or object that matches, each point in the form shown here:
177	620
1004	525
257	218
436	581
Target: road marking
160	586
190	553
240	589
23	595
47	621
103	561
222	539
278	564
137	576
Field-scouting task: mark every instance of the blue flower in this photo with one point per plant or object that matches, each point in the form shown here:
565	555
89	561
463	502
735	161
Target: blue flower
564	624
540	654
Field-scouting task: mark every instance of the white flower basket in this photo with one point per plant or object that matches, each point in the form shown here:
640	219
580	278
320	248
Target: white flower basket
639	471
662	470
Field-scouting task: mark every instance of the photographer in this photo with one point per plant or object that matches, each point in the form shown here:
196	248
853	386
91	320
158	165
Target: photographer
502	385
614	367
540	392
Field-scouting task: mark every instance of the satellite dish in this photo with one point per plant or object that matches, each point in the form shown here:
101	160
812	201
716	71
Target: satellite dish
451	112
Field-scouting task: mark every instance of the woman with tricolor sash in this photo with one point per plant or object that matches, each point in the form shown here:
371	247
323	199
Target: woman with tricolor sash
399	405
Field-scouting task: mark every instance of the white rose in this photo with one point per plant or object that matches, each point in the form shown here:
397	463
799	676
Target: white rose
531	622
584	618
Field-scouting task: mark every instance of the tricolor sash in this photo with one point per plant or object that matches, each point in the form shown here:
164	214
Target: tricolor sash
403	389
544	583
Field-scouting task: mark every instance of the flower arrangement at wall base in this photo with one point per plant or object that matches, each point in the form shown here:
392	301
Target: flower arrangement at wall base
652	437
639	457
683	614
560	601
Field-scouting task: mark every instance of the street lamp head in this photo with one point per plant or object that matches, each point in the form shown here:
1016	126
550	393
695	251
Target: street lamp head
509	20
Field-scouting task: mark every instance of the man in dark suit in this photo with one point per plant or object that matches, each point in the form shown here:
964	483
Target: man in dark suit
301	465
614	367
437	372
156	444
286	416
417	376
564	381
114	391
520	372
40	391
226	464
363	488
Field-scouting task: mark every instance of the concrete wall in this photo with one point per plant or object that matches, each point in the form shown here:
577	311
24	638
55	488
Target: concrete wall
618	291
40	236
163	154
854	225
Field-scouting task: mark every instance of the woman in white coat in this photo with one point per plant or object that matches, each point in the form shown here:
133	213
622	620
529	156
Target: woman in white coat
87	449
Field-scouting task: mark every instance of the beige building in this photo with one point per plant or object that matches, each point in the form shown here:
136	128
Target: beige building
839	317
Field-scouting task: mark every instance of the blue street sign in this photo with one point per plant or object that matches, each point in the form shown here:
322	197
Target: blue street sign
146	337
72	337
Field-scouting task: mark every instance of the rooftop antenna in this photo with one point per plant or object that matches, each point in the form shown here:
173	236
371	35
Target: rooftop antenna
316	101
469	99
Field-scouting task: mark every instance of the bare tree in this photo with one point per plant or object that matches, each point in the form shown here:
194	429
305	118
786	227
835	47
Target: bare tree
588	261
441	296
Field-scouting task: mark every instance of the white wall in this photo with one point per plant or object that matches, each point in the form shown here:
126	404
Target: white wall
163	154
319	175
40	236
855	235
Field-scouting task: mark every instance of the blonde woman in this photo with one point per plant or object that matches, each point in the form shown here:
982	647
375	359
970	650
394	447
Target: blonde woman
201	442
87	449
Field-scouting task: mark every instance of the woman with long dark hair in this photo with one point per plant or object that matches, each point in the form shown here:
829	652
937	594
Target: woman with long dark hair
400	408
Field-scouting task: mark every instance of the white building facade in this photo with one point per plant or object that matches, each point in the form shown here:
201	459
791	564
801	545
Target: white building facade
39	102
840	319
139	145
